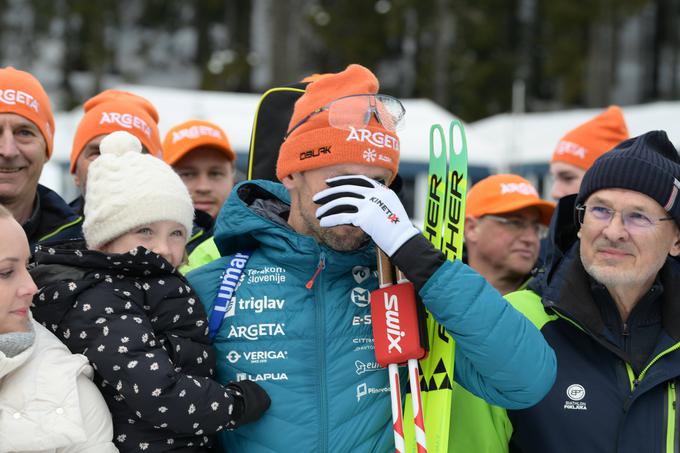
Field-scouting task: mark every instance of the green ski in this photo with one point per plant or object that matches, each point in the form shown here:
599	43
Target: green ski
444	221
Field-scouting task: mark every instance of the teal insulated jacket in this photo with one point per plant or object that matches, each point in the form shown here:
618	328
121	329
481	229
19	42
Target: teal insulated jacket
300	325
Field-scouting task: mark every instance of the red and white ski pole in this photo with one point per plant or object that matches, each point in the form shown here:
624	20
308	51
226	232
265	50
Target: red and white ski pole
396	331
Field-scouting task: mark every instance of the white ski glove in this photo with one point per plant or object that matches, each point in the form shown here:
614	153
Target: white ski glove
365	203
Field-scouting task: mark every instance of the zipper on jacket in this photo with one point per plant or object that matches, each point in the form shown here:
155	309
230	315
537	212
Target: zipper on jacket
319	268
321	354
641	376
670	415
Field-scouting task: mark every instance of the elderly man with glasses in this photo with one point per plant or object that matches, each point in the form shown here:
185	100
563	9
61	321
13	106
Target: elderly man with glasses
505	221
609	305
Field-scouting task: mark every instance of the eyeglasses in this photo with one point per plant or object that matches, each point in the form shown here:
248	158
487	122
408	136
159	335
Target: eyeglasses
633	221
517	226
356	111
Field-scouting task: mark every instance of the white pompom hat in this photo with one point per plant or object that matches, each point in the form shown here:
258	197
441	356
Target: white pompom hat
127	189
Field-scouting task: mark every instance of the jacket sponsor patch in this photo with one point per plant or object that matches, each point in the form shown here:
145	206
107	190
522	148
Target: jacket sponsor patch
364	390
255	331
258	305
269	274
262	377
256	357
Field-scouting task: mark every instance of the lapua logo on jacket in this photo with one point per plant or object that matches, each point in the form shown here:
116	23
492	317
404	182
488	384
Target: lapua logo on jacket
262	377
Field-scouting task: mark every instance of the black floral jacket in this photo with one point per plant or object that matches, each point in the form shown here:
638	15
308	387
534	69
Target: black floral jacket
145	332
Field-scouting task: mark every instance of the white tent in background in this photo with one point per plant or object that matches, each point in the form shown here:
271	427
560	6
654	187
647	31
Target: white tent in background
531	138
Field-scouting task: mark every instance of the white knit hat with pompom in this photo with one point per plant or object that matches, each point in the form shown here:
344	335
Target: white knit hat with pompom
127	189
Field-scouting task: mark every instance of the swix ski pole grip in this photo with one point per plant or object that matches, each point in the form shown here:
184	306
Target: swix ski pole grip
394	317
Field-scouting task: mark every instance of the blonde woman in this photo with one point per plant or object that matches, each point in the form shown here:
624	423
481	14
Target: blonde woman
48	402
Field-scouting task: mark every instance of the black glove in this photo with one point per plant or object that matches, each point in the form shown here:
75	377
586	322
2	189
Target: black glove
252	399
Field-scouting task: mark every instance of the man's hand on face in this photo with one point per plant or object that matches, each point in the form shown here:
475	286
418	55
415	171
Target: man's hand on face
367	204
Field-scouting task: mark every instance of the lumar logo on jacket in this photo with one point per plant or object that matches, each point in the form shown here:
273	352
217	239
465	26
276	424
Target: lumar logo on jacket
379	139
13	97
394	332
255	331
125	120
195	132
315	152
230	280
391	216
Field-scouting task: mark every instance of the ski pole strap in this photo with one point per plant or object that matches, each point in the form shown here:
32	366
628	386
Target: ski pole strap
230	280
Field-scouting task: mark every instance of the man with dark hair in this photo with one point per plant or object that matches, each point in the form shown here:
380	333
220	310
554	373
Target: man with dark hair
299	323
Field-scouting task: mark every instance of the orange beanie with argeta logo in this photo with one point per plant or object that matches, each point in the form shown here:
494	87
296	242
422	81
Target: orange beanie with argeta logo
314	143
584	144
192	134
115	110
22	94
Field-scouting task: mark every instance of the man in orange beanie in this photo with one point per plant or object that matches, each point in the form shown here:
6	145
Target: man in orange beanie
578	149
199	151
289	297
26	140
504	222
108	112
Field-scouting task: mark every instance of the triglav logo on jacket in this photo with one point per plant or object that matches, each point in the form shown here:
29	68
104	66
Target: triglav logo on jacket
575	393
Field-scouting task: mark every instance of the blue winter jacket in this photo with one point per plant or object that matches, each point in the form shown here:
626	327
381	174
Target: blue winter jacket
300	326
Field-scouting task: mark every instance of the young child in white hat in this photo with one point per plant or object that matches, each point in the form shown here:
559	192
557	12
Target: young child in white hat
121	302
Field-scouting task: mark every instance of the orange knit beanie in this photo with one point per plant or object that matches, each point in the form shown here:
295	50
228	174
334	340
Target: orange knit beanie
581	146
112	111
22	94
192	134
315	143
